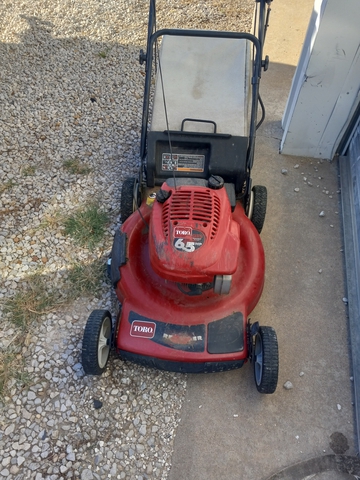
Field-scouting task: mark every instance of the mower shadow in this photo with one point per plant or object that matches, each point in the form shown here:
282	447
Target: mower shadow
64	101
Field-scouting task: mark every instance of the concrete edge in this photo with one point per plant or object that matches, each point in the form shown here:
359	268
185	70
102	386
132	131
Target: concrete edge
352	265
326	463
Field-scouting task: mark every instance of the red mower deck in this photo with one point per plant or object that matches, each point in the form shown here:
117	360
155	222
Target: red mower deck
186	333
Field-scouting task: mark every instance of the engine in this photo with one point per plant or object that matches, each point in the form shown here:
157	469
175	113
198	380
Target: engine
193	238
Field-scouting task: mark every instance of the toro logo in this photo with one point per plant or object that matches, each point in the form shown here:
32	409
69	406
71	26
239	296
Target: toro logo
181	232
139	328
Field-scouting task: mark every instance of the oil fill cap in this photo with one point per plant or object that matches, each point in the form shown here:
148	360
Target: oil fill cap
216	182
162	195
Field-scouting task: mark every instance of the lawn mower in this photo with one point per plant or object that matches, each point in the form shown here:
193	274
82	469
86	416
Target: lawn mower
187	264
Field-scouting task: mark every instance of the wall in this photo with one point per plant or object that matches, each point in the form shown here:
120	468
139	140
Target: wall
325	88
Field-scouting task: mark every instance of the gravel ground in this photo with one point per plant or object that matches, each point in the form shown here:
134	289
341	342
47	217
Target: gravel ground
71	88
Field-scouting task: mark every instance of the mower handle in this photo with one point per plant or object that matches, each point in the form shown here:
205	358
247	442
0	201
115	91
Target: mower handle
199	121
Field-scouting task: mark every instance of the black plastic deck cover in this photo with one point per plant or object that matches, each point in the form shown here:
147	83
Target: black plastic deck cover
166	334
226	335
181	367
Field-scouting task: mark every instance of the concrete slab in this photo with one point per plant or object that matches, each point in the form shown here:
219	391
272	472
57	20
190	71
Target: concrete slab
331	476
228	430
329	467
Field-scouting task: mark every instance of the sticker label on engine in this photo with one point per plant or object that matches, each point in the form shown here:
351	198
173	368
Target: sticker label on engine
188	240
180	232
182	162
139	328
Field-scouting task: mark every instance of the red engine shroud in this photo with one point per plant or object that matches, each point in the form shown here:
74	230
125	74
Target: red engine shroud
193	234
154	307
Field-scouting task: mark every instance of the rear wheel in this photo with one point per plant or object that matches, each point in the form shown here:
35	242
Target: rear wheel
266	360
130	198
97	342
259	202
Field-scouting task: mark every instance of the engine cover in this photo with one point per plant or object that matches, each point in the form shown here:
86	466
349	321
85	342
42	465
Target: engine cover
193	236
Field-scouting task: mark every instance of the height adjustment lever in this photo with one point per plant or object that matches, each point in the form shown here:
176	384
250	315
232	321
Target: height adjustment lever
265	63
142	57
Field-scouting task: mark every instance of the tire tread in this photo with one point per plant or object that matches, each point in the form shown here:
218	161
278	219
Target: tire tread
89	355
260	203
270	374
127	199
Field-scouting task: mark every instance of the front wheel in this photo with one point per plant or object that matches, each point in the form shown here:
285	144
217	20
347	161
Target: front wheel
96	342
266	360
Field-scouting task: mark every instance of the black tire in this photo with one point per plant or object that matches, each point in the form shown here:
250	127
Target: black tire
128	202
266	360
97	342
259	208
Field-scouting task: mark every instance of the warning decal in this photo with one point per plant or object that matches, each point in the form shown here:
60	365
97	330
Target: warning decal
182	162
